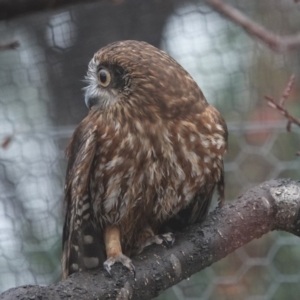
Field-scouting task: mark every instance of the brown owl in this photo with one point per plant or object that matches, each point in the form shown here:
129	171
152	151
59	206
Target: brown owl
145	160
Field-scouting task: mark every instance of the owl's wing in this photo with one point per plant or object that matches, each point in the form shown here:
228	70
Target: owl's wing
200	205
198	208
195	212
82	247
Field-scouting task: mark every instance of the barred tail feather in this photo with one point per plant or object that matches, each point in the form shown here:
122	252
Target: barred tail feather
82	240
84	248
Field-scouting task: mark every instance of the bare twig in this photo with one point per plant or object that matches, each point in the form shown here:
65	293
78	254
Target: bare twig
9	46
6	141
287	90
280	105
272	205
276	42
291	119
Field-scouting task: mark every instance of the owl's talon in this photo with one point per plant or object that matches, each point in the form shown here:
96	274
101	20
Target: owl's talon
107	268
133	270
121	258
168	239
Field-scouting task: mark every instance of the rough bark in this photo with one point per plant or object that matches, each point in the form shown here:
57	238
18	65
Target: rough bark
273	205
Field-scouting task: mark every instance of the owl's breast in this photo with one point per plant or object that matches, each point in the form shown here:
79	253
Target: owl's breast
152	171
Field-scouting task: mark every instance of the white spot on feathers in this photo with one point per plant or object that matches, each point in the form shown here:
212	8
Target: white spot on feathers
88	239
85	206
74	267
219	127
91	262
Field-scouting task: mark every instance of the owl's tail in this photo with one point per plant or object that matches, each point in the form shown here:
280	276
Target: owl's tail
83	245
82	239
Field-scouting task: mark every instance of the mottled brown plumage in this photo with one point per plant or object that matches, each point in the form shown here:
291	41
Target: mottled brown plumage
145	159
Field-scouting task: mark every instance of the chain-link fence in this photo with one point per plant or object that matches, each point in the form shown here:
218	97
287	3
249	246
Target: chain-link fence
41	101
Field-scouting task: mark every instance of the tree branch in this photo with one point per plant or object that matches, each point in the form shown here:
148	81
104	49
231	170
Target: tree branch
276	42
280	105
9	46
13	8
273	205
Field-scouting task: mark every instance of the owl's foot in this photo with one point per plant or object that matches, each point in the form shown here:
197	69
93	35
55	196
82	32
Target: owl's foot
167	239
114	251
121	258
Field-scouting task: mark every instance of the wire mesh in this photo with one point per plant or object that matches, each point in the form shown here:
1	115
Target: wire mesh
41	101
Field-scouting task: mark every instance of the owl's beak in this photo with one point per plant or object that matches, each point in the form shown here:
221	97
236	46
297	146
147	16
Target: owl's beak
90	101
97	97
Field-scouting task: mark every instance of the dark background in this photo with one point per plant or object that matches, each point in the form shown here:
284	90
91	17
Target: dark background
41	101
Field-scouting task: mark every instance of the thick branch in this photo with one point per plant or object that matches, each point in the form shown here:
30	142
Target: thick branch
14	8
276	42
273	205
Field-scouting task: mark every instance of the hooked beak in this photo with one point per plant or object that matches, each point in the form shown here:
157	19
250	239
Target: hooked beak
90	100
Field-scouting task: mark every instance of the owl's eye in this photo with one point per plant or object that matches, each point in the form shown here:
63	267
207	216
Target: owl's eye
104	77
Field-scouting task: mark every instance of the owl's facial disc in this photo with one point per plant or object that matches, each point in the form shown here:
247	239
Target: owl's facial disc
99	93
106	84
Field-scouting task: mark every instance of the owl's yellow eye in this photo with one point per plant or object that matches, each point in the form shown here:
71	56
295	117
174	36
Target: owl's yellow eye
104	77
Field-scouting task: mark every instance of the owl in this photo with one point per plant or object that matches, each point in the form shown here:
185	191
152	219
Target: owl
143	163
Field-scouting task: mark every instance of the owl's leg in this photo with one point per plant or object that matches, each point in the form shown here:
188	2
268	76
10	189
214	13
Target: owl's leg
114	250
147	238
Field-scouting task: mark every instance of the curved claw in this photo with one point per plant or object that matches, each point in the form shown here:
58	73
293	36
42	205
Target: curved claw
133	270
121	258
107	268
168	239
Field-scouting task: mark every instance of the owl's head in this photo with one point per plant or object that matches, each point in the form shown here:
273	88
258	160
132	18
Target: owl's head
108	82
137	73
